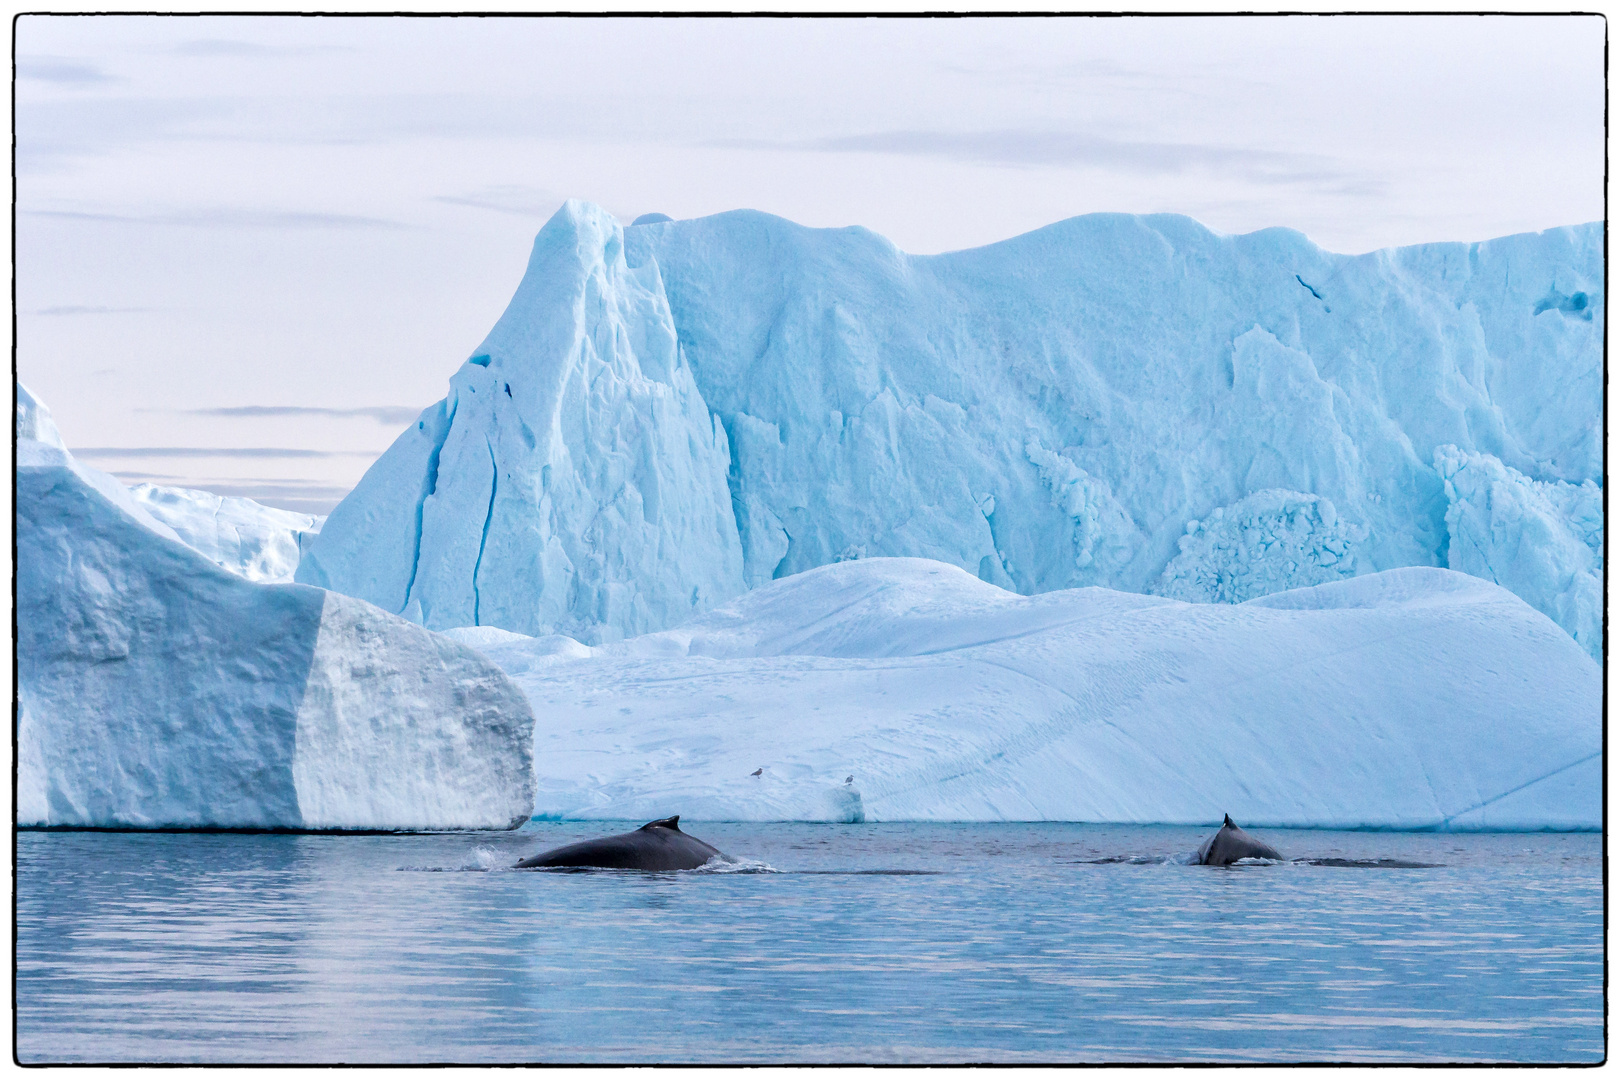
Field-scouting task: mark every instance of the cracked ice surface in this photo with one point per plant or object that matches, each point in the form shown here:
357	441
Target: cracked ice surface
1411	698
671	413
156	689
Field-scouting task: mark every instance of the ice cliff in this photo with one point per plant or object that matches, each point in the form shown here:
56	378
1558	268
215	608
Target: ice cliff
573	480
669	414
260	543
1542	540
156	689
905	689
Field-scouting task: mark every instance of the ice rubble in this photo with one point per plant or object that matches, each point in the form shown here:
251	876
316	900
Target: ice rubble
905	689
156	689
260	543
1268	542
669	414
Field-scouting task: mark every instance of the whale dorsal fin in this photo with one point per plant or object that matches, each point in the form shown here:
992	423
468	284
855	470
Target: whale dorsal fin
663	823
1229	821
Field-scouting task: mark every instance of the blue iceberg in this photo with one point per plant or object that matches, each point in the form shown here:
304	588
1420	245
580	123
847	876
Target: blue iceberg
672	413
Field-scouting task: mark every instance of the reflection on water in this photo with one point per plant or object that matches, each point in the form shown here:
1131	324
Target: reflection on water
881	942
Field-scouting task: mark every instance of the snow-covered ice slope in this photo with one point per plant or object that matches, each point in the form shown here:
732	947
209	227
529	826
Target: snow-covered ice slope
674	412
1411	698
261	543
156	689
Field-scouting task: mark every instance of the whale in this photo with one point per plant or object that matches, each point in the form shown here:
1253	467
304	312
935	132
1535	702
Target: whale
1231	844
657	845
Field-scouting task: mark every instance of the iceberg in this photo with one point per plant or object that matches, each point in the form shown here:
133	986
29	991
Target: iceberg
670	413
158	690
260	543
907	689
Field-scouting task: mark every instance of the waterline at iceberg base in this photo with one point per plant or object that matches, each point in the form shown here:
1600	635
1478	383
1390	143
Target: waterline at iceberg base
907	689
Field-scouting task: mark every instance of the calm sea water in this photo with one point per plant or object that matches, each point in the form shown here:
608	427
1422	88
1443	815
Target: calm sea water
1015	944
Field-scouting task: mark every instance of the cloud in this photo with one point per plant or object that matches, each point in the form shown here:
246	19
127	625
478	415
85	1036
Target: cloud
86	309
285	488
230	218
301	498
50	132
63	71
383	414
215	452
144	477
221	47
49	128
518	199
230	47
1092	74
1036	147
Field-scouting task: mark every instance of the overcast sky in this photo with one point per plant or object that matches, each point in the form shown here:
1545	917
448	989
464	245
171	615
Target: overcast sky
278	237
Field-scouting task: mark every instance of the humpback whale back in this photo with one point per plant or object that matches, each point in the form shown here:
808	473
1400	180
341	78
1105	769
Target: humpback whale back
657	845
1231	844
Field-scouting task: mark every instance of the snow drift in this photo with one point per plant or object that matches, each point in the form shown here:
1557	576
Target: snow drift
156	689
905	689
669	414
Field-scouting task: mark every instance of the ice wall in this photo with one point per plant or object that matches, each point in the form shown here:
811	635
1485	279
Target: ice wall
904	689
573	480
1047	412
260	543
156	689
1544	541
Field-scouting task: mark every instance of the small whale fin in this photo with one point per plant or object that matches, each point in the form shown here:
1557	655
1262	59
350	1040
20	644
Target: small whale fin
663	823
1229	822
